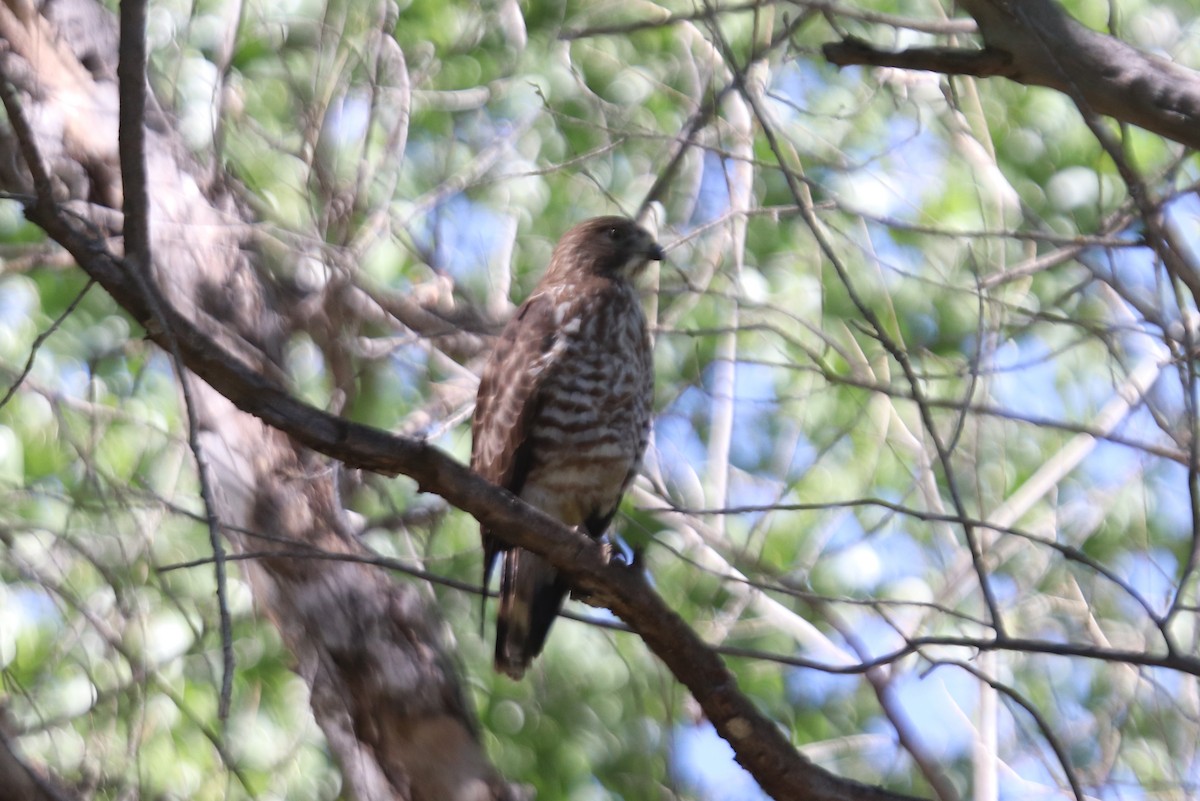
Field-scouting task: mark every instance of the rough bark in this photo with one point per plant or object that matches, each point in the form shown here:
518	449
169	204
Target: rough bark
1035	42
383	688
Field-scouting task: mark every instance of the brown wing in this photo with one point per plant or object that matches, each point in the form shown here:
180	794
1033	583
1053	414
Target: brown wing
507	404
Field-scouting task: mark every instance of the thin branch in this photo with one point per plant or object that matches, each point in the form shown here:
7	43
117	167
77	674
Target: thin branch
137	664
1060	752
711	12
41	338
985	63
131	134
27	142
1165	244
131	74
878	330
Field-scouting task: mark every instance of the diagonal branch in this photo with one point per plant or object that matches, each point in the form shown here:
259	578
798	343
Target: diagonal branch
757	741
382	686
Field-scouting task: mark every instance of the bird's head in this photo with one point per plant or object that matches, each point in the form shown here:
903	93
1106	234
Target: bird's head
608	247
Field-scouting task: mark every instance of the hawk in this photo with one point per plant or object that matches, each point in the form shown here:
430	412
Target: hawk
563	413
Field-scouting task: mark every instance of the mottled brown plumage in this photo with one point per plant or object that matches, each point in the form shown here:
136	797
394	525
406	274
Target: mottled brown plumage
563	413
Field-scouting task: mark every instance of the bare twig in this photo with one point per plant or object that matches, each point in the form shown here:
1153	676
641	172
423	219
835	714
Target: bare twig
42	337
1043	725
131	136
852	51
894	349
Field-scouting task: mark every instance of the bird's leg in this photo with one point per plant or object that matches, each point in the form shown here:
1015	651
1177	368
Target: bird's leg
616	556
612	555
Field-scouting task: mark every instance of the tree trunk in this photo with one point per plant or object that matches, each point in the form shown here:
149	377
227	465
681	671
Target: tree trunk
383	687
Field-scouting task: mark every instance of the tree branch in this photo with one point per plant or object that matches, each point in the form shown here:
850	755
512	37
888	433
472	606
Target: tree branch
986	63
131	132
1113	78
757	741
241	375
383	687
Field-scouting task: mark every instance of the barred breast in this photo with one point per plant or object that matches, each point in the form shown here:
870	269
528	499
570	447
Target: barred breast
593	423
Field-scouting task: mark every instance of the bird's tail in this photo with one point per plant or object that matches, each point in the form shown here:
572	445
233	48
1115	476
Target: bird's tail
531	593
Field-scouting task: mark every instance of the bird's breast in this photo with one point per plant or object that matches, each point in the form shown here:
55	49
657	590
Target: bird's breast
595	405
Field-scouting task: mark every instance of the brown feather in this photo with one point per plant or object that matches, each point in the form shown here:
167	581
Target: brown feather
505	405
563	413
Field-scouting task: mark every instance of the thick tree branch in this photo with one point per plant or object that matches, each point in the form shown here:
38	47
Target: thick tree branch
1110	76
757	741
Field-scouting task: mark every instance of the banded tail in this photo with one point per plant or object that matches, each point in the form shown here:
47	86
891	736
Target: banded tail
531	593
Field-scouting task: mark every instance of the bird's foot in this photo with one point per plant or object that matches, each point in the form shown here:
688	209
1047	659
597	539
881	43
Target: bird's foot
613	555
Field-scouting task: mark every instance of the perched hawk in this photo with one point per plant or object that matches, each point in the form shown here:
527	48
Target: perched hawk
563	413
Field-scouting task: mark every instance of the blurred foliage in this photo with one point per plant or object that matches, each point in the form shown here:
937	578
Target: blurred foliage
435	144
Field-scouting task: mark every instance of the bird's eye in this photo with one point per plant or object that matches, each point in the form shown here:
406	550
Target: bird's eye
613	233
